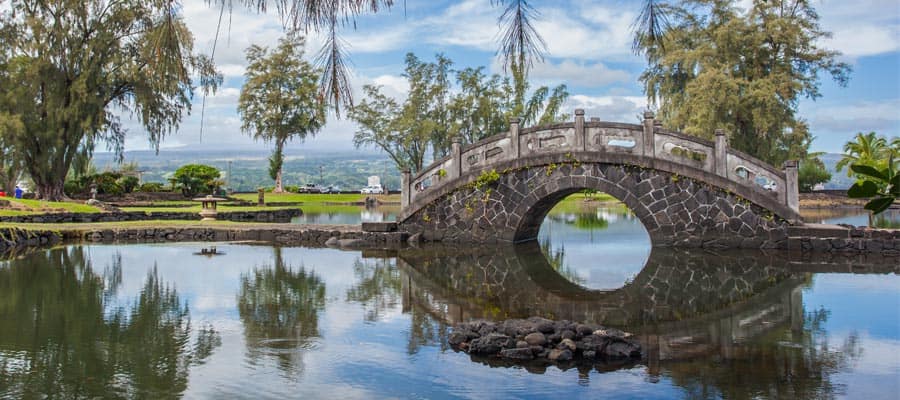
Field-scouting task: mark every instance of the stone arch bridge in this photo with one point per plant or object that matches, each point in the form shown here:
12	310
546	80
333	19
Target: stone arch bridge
685	190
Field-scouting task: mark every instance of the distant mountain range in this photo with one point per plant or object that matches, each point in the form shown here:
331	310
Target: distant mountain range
249	168
839	180
347	169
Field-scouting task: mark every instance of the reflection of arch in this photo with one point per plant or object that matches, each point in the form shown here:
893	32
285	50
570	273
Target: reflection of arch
678	323
517	281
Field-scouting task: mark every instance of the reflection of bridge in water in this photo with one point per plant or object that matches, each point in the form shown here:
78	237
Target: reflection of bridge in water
680	305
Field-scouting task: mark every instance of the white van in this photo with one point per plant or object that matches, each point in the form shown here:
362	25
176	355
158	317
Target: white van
372	189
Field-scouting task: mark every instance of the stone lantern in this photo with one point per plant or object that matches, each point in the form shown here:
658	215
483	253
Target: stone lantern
208	207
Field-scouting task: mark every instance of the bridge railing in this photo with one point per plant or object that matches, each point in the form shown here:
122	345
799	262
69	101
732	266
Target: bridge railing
648	140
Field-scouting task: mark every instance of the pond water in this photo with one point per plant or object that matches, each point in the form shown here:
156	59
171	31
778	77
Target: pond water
852	216
347	215
256	321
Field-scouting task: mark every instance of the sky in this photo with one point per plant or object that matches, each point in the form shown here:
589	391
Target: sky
588	45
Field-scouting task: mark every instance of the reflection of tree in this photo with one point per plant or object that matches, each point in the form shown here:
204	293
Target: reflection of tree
379	290
783	364
279	309
57	341
889	219
556	257
424	329
379	286
591	222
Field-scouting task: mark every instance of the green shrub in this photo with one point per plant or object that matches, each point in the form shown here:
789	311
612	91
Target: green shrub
73	187
107	183
811	173
128	183
151	187
193	179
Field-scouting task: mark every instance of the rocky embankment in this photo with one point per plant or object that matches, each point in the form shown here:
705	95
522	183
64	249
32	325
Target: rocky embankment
535	338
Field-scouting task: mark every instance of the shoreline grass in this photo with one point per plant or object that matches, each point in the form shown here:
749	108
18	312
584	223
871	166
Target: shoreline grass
30	207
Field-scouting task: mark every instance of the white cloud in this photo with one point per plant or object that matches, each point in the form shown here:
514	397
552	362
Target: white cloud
864	41
859	116
231	70
596	32
609	108
861	28
579	73
395	86
470	24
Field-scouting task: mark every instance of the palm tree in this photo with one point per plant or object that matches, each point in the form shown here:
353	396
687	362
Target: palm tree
868	149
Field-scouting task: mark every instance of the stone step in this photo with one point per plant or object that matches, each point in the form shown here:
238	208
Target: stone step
379	226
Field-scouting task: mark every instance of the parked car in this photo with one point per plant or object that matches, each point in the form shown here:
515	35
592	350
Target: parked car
311	188
375	189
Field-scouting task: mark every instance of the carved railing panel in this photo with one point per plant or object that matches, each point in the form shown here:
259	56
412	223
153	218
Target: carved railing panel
558	138
613	138
683	150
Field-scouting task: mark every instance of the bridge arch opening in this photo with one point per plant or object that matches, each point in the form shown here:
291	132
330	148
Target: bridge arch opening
592	239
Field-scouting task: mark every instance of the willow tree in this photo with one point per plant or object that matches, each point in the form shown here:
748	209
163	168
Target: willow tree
79	66
714	65
280	100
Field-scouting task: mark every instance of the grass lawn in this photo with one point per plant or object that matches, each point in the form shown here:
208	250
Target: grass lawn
126	224
578	202
307	198
196	208
27	207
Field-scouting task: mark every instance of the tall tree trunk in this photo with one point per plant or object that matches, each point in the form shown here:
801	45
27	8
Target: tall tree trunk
278	187
49	178
50	190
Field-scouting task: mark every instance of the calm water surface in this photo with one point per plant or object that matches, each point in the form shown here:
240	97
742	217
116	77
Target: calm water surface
887	219
161	321
349	215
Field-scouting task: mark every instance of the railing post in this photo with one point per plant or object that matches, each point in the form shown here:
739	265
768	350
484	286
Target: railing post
514	137
721	162
649	128
405	190
792	181
580	140
456	153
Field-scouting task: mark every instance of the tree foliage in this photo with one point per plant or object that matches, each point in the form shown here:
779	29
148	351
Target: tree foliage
812	172
78	65
713	65
876	164
279	100
868	149
434	111
192	179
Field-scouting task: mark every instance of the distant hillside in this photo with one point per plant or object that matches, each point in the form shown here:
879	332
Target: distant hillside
249	169
348	169
839	180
